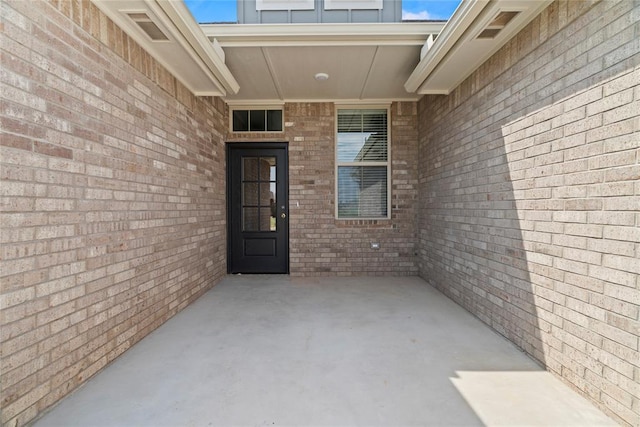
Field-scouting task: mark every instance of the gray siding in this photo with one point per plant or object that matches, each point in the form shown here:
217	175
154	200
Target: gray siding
247	14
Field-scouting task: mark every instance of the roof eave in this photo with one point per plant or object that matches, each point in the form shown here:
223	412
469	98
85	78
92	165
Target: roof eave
200	68
458	51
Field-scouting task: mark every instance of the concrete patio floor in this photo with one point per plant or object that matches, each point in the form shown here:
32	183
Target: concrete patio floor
275	350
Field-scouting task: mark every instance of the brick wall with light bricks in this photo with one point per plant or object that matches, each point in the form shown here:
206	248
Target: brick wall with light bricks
113	206
530	196
320	244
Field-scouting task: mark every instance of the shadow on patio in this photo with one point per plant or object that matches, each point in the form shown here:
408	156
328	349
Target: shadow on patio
275	350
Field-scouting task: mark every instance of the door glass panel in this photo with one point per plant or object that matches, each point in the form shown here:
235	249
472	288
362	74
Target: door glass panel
268	205
273	208
270	165
251	219
250	168
267	198
265	219
250	193
259	194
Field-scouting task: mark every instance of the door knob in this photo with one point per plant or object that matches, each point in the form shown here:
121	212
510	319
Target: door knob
283	215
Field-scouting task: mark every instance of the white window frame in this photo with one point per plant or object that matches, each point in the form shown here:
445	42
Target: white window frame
252	108
337	164
284	5
352	4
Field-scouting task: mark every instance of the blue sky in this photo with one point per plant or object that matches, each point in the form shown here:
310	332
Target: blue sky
225	10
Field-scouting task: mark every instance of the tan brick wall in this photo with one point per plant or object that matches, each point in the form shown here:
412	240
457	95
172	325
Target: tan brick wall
112	198
322	245
530	196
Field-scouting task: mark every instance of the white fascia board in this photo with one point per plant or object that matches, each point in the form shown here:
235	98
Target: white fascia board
218	49
197	42
435	92
461	19
280	102
255	105
204	93
343	34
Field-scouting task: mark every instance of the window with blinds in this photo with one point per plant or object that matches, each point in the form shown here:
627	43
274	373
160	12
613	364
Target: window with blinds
362	153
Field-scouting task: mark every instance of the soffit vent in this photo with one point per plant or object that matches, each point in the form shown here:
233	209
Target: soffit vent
149	27
497	24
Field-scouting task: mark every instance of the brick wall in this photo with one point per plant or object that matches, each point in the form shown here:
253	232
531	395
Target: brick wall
112	196
320	244
529	195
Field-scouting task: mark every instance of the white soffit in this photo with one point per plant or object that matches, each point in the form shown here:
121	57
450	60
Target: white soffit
462	46
178	43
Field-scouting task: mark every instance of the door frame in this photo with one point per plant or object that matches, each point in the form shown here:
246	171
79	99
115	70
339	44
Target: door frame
230	146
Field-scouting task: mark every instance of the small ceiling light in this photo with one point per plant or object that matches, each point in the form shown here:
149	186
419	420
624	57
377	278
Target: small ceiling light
321	77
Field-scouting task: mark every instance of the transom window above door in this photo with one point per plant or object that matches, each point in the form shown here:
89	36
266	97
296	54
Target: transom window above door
256	120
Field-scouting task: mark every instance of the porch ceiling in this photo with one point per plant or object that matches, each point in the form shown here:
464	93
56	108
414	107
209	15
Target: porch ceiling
364	62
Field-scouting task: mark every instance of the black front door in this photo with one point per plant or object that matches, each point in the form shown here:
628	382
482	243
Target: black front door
258	208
